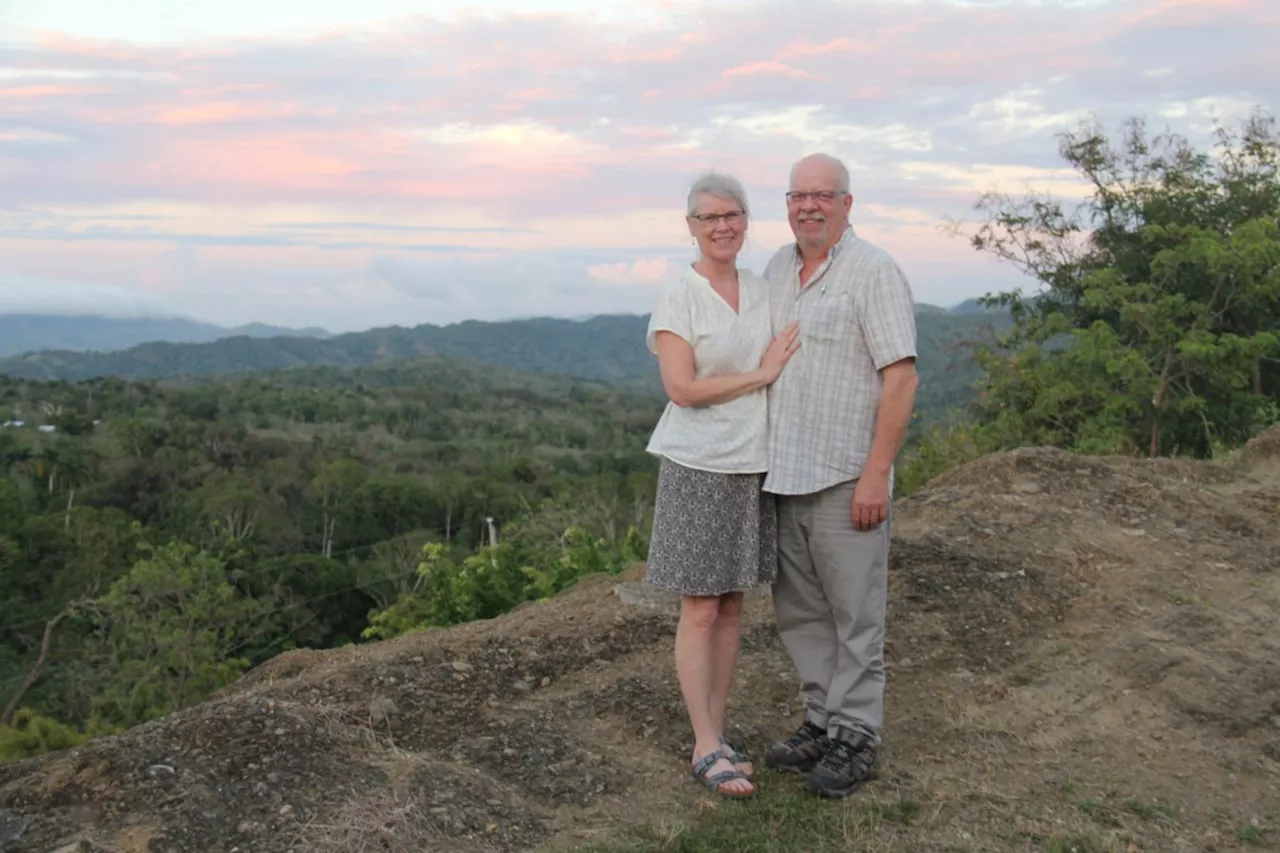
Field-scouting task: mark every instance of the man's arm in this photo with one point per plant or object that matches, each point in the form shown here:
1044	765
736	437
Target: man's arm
889	325
897	404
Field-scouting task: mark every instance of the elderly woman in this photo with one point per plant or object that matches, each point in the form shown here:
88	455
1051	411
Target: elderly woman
714	530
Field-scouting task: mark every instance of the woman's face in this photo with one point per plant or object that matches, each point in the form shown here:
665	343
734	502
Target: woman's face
719	226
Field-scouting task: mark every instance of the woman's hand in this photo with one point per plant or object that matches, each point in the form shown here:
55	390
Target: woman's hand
780	350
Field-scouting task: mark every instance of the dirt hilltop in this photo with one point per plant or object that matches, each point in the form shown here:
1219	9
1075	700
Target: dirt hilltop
1076	645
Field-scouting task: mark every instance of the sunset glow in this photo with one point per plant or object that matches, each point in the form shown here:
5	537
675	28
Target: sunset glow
349	165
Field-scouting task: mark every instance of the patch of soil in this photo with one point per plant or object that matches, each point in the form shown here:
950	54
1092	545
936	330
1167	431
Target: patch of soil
223	772
1261	452
1077	648
537	751
428	805
972	607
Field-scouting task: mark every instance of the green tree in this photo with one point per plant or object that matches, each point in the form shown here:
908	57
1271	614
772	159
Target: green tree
140	437
451	490
581	554
391	573
232	505
11	509
10	449
170	633
41	465
77	463
333	490
27	734
498	577
42	660
1154	327
72	421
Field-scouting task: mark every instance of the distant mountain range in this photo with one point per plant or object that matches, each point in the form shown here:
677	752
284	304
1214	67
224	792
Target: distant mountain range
604	347
609	348
24	333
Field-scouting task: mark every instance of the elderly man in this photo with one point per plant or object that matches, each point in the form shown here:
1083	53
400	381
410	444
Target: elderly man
837	417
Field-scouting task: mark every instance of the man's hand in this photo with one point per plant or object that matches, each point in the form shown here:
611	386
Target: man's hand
870	501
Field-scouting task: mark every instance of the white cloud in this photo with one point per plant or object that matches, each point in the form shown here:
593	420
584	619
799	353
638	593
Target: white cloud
1023	113
31	135
1204	111
818	127
369	162
977	178
28	294
640	271
409	278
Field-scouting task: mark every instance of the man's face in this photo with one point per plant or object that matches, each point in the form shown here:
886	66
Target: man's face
817	208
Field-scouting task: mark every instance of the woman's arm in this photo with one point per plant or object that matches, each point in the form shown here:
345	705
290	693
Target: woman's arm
675	359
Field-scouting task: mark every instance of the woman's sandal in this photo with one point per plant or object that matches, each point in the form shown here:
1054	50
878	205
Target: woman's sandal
703	765
737	758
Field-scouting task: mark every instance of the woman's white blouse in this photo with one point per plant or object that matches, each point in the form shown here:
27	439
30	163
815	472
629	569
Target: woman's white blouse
726	437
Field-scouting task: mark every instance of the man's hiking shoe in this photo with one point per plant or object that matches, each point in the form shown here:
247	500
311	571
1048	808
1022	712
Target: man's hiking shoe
799	753
849	762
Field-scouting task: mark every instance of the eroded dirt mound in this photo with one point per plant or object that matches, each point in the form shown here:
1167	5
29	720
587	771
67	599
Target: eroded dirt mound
1263	451
1064	630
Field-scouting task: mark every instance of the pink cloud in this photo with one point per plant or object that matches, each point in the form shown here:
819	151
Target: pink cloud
216	112
536	94
770	67
526	119
48	91
254	166
805	48
112	53
222	91
651	134
1186	13
629	56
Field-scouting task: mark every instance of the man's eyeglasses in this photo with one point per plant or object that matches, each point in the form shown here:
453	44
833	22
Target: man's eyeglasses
821	196
710	219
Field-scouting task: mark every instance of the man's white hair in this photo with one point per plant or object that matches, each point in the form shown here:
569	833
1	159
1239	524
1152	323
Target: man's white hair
833	163
719	185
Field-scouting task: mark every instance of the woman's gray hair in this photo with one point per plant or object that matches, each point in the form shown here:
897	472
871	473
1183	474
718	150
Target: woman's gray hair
721	186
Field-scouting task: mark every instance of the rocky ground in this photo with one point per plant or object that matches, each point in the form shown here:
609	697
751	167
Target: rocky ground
1077	646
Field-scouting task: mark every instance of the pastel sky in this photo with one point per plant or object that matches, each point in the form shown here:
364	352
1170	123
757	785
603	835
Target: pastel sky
353	164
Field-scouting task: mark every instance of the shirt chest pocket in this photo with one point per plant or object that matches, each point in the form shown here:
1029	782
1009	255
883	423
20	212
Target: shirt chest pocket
829	316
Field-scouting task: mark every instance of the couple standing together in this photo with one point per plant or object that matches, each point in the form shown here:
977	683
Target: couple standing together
790	395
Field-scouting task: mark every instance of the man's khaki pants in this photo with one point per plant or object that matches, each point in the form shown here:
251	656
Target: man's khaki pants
829	602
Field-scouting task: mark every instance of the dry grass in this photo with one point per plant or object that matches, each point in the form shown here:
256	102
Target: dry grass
382	822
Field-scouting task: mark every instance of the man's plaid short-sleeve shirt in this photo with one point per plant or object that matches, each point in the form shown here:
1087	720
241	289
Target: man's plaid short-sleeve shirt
857	315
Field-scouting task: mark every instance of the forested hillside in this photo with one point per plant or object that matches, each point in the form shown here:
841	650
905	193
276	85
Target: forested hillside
609	348
602	347
159	537
163	539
